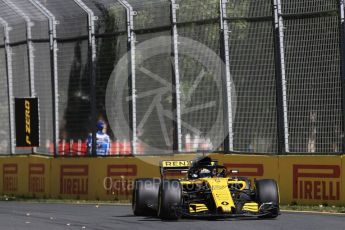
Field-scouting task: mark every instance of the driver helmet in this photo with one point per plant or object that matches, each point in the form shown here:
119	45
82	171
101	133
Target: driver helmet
100	125
205	173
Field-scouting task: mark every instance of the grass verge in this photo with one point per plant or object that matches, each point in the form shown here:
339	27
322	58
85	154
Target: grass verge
314	208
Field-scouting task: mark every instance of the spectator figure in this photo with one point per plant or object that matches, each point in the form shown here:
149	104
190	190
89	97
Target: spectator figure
312	132
102	141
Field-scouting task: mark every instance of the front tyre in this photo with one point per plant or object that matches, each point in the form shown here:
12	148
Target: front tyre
267	196
170	200
145	197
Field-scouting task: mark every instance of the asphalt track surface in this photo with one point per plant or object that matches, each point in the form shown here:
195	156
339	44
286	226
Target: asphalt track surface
23	215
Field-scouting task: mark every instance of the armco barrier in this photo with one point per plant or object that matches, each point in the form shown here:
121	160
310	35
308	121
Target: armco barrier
251	166
101	178
71	178
302	179
14	179
38	176
311	179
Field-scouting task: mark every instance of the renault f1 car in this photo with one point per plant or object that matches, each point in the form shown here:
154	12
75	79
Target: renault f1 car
207	191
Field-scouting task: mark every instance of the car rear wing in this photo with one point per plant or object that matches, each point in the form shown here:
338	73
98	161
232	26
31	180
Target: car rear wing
176	166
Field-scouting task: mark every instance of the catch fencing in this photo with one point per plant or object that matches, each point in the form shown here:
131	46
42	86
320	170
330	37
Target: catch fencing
176	76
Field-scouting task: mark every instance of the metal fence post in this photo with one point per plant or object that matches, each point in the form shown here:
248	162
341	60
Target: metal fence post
29	24
131	73
342	68
92	77
281	93
30	51
228	113
176	78
8	54
54	73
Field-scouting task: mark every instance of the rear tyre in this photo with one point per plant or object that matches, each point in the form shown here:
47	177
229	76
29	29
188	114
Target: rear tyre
170	200
145	197
267	192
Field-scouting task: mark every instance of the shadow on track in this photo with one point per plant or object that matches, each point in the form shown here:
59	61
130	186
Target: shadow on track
156	219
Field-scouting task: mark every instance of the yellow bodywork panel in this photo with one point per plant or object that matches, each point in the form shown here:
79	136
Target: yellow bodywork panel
197	208
251	207
221	193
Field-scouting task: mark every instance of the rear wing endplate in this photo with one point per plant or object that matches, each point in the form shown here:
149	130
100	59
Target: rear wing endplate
174	166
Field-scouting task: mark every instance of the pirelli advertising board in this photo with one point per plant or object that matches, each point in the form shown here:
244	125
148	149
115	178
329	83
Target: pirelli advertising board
27	122
301	179
311	179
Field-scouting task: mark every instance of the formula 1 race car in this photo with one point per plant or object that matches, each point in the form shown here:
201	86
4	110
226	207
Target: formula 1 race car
207	191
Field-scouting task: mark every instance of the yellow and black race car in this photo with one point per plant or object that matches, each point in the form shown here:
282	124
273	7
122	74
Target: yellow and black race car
206	191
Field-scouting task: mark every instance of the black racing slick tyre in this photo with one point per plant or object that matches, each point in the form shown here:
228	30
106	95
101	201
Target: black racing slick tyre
267	193
170	200
145	197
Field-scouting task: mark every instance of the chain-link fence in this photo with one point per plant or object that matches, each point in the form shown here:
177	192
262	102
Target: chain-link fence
312	60
173	76
253	73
